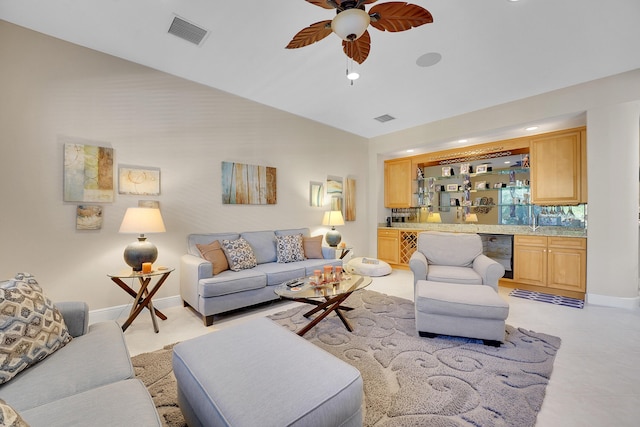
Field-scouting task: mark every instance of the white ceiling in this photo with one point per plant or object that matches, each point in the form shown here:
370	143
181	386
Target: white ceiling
493	51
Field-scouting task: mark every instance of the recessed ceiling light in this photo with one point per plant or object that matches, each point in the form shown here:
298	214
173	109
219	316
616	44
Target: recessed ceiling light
428	59
532	128
462	141
411	150
507	162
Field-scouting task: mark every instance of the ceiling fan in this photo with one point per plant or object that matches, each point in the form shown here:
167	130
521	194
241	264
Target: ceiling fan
351	22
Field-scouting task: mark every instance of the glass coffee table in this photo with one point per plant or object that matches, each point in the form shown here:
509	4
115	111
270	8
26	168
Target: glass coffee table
327	297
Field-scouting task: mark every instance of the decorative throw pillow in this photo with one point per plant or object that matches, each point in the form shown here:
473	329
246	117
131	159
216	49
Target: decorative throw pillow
31	328
215	255
239	254
290	248
312	247
9	417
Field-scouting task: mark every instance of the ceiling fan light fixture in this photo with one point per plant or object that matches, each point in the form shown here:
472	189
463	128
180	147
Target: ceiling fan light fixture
353	75
350	24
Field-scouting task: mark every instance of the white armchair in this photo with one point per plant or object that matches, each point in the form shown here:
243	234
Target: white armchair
453	258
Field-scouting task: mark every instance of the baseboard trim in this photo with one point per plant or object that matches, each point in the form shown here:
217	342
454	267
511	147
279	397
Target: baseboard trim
616	302
116	312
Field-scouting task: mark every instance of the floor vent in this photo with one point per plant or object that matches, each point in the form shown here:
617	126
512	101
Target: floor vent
187	31
385	118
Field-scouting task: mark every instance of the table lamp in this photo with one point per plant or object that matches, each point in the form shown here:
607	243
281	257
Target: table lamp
140	221
471	217
434	217
333	218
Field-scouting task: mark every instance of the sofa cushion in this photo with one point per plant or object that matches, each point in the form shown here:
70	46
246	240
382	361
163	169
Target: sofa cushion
312	247
215	255
239	254
290	248
125	403
456	249
450	274
230	282
263	244
278	273
97	358
9	417
31	327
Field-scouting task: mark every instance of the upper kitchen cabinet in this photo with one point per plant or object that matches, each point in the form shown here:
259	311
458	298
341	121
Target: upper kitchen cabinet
558	168
398	176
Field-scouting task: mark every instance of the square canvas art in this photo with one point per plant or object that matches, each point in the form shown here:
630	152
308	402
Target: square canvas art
88	173
88	217
248	184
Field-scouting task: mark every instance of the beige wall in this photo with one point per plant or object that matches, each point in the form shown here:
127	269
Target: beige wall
52	92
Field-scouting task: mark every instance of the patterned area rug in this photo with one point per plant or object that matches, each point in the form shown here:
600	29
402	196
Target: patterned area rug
408	380
548	298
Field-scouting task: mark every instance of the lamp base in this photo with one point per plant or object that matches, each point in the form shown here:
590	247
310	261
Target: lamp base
140	252
333	237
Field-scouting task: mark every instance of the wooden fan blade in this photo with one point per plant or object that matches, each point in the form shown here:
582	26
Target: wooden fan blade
358	50
398	16
313	33
323	3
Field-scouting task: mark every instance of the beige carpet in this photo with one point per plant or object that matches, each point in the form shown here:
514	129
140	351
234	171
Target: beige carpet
408	380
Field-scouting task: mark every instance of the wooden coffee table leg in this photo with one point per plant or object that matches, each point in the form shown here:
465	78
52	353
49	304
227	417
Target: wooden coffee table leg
329	306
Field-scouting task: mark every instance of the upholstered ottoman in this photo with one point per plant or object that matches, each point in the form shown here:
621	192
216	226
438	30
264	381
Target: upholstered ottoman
368	267
260	374
473	311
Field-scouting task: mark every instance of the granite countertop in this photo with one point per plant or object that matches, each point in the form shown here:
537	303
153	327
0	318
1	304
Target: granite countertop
490	229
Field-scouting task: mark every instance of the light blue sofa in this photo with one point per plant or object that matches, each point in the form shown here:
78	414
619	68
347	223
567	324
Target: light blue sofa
88	382
210	294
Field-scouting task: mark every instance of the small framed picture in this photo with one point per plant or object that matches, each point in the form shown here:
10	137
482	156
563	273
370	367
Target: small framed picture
452	187
499	185
454	202
482	168
481	185
465	168
447	171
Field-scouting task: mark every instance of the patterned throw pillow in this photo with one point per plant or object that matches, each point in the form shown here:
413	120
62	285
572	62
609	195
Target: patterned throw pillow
290	248
239	254
215	255
31	328
9	417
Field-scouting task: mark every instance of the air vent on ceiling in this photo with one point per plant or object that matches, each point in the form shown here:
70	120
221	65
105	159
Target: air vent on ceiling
385	118
187	31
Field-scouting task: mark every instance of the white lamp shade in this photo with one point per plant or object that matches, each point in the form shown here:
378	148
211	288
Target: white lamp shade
471	217
333	218
434	217
350	24
142	220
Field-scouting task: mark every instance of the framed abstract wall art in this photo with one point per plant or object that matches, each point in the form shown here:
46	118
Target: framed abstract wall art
88	217
138	180
350	199
316	194
88	173
248	184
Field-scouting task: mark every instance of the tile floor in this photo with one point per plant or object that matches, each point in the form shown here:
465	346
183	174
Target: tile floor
596	376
